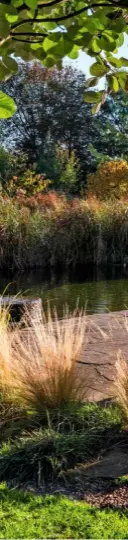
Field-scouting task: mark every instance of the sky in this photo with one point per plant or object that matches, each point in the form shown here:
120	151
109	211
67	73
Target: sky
84	61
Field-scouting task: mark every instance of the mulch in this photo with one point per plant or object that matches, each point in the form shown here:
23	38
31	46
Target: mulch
112	498
99	493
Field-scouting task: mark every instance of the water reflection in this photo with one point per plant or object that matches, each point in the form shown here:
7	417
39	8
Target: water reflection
99	290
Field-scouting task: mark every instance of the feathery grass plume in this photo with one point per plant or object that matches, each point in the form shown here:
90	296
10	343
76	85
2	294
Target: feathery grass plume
6	350
13	416
5	347
121	383
8	412
44	372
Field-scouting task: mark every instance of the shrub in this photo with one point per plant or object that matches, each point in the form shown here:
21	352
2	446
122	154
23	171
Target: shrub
79	434
62	169
40	201
29	183
70	170
110	180
42	371
11	164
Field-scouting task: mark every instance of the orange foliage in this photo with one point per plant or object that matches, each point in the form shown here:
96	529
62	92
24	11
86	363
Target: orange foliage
110	180
40	200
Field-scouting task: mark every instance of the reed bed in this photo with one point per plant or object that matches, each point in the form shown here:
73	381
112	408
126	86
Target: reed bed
65	234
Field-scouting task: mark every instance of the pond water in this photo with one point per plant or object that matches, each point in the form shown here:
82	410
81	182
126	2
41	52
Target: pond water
98	291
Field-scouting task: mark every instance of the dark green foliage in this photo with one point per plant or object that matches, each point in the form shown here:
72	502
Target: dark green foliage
11	164
65	438
51	111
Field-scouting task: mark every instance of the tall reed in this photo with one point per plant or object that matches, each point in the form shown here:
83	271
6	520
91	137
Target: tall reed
38	233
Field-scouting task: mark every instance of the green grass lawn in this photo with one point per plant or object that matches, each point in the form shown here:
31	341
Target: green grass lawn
25	515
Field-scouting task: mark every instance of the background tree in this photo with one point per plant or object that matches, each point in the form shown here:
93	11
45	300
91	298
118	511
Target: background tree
51	113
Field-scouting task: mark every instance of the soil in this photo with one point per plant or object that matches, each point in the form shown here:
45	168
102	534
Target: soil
100	493
102	484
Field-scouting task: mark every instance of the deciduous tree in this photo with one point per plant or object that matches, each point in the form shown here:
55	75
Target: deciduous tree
50	29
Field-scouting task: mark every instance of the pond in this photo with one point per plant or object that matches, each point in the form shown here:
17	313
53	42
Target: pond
97	290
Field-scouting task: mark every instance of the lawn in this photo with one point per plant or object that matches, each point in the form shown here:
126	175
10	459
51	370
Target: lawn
25	515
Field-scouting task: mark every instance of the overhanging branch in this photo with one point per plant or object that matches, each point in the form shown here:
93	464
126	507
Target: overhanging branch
27	40
63	17
28	34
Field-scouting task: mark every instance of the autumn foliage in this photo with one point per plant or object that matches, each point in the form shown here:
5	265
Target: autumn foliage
110	180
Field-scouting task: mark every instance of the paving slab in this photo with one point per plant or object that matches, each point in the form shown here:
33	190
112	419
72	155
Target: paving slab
106	336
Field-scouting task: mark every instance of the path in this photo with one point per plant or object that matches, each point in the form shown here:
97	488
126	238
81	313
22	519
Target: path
107	334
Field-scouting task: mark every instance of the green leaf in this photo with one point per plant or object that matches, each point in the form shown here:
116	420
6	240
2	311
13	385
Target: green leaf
126	84
119	25
4	72
49	61
83	41
4	27
49	25
2	8
124	61
93	81
98	70
35	46
24	51
95	45
11	14
26	27
7	66
7	106
74	30
112	36
90	52
24	14
116	62
113	83
91	96
10	64
48	44
101	15
91	25
74	52
121	76
31	3
39	53
107	44
17	3
120	40
62	48
96	108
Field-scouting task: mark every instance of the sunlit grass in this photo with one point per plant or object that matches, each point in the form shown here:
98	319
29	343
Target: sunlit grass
26	515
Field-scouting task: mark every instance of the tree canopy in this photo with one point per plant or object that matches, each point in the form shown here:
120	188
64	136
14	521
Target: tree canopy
50	29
